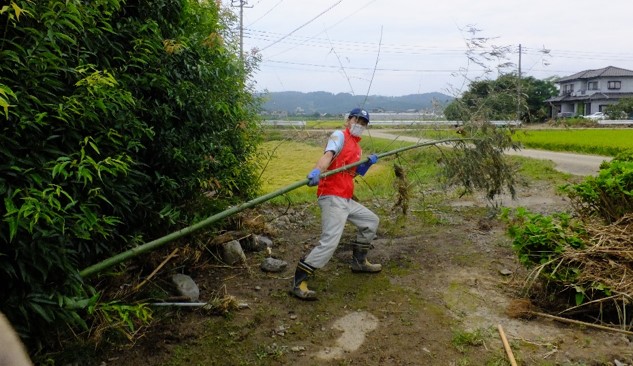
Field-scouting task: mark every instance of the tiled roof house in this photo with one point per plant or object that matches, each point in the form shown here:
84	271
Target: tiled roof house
590	91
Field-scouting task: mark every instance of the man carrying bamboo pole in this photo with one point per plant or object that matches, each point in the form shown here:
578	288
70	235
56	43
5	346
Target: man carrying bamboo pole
334	194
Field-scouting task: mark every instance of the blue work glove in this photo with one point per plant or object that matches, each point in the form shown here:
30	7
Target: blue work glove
364	167
313	177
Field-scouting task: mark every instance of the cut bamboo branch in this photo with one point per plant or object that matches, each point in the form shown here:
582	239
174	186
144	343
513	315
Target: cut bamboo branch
578	322
522	309
170	256
506	345
131	253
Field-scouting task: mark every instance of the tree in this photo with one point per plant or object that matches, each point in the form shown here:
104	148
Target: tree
623	109
497	100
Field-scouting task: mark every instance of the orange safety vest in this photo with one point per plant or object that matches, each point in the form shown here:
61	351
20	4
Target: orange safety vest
342	184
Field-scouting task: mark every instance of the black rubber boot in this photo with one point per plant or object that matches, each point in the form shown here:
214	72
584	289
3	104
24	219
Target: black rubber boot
359	259
300	283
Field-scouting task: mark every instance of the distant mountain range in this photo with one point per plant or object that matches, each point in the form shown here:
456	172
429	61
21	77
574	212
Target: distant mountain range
292	103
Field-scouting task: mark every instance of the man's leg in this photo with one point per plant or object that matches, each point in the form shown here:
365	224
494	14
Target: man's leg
334	211
367	224
300	284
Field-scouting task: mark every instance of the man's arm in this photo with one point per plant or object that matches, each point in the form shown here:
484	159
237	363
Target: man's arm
321	165
325	160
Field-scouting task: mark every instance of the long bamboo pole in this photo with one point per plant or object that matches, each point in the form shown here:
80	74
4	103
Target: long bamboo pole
131	253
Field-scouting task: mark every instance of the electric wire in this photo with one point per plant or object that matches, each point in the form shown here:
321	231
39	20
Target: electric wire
326	29
544	54
303	25
266	13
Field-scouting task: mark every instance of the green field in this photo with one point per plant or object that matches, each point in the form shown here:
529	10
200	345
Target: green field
600	141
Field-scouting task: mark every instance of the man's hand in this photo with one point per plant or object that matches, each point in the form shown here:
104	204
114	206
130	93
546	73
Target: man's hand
364	167
313	177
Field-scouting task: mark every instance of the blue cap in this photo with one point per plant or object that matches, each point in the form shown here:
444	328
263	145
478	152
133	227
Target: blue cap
358	112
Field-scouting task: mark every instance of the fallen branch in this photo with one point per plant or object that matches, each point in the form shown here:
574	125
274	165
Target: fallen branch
578	322
522	309
170	256
506	345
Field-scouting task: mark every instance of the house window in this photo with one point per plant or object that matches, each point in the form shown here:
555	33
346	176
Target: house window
568	88
592	85
614	84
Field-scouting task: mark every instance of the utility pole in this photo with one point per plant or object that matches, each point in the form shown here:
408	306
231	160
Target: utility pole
242	4
519	88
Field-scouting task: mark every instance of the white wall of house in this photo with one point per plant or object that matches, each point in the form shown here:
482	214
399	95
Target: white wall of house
583	87
585	94
593	87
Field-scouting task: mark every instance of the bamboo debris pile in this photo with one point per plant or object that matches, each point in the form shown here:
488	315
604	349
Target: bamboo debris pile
609	258
605	263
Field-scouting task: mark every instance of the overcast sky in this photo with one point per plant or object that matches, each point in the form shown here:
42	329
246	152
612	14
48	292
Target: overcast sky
400	47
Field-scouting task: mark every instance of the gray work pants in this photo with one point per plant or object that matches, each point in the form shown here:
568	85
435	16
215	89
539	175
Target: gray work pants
335	211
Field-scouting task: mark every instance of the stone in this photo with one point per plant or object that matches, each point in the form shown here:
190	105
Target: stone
273	265
232	253
256	243
186	286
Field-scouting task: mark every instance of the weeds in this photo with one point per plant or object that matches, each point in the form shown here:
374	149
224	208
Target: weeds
462	340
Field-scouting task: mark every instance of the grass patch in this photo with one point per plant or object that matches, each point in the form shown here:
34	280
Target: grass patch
462	340
600	141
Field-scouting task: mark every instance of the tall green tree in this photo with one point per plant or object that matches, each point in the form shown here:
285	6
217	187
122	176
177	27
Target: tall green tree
502	98
121	121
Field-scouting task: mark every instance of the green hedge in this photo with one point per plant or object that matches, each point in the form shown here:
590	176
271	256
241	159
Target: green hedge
120	119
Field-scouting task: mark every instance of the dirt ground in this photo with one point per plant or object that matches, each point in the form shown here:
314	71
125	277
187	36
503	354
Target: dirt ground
449	276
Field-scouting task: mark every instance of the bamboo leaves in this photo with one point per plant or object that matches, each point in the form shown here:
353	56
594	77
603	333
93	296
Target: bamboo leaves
5	94
106	124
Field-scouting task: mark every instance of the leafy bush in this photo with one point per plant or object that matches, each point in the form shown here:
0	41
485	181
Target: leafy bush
608	195
121	119
588	253
540	239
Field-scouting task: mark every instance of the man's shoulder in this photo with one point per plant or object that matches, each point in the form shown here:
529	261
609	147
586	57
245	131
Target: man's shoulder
335	142
337	135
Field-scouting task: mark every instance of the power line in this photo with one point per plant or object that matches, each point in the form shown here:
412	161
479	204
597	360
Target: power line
326	29
416	49
266	13
360	68
303	25
353	46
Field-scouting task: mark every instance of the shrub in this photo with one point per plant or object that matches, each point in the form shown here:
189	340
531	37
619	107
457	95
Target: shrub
608	195
586	253
120	121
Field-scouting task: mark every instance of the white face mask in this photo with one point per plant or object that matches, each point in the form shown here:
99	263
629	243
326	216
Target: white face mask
356	130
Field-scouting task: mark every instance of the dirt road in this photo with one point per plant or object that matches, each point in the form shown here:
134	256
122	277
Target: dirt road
577	164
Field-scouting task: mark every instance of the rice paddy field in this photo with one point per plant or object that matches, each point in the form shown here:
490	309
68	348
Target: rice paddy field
598	141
